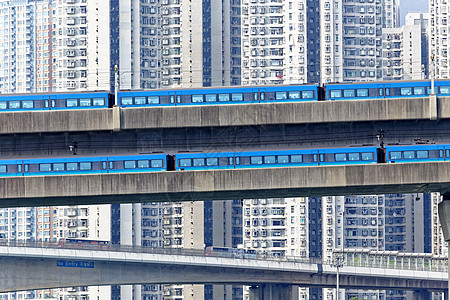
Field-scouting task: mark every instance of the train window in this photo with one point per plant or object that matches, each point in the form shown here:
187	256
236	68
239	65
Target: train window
58	167
447	153
129	164
71	102
270	159
419	91
336	93
27	104
172	99
256	160
237	97
3	169
283	159
405	91
340	157
26	168
294	95
104	165
140	100
2	105
111	165
126	100
366	156
353	156
315	158
72	166
296	158
396	155
153	99
212	161
14	104
19	168
178	99
224	97
210	98
321	157
85	166
255	96
281	95
185	162
388	92
45	167
98	101
230	161
197	98
199	162
349	93
380	91
444	89
85	102
307	94
262	96
143	164
408	154
422	154
157	163
362	92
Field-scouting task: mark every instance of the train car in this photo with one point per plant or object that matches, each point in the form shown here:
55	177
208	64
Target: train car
83	243
347	156
54	101
275	158
219	95
385	89
83	165
244	160
417	153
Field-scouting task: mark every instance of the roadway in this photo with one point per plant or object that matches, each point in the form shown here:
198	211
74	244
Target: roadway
225	184
48	266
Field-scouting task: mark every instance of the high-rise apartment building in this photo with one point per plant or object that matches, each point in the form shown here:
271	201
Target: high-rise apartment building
283	227
279	42
18	47
405	49
351	38
439	45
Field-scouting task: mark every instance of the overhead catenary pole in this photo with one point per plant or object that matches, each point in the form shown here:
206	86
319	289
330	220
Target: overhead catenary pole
116	83
432	74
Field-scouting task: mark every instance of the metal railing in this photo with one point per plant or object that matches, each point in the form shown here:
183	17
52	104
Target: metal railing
393	260
350	257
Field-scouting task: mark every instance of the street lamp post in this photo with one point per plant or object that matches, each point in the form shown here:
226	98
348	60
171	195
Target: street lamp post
338	259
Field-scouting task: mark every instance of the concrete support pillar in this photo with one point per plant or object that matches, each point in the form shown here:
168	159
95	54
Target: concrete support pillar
273	291
421	295
444	218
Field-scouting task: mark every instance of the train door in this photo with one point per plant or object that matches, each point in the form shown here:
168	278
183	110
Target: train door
174	98
170	162
381	91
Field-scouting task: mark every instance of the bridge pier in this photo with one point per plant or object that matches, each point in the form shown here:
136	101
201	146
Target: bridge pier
272	291
444	218
421	295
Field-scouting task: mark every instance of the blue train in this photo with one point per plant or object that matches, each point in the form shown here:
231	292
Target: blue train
224	95
221	160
